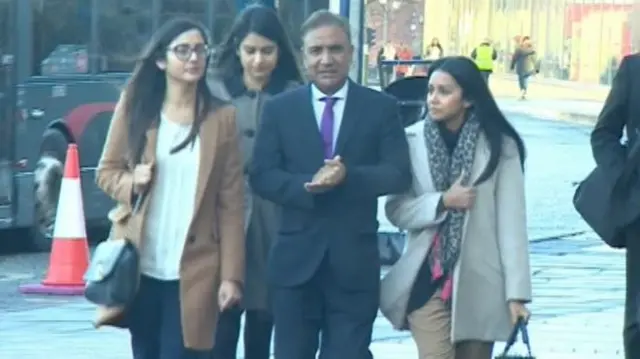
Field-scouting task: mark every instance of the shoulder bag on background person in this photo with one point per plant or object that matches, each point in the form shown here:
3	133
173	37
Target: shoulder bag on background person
114	271
609	199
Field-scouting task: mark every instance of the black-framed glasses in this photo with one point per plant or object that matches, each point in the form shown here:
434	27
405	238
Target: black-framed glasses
184	51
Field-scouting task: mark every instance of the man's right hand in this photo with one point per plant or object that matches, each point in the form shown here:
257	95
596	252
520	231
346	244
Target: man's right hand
142	175
459	196
328	176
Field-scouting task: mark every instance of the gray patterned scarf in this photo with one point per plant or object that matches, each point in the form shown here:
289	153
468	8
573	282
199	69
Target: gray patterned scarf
445	170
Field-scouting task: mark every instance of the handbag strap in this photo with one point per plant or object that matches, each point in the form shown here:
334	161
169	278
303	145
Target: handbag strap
137	159
519	328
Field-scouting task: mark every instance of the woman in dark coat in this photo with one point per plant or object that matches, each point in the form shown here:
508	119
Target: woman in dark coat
255	62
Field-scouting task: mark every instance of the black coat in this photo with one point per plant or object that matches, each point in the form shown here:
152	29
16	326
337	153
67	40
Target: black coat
620	114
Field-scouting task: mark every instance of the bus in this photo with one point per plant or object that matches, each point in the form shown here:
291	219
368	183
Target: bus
63	64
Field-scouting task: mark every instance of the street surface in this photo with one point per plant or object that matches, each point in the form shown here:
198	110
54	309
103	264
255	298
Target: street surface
578	283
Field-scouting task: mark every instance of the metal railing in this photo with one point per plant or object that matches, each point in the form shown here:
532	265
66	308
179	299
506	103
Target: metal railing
386	69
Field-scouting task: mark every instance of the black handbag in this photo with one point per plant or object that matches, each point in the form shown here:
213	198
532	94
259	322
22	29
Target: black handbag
607	200
519	328
113	275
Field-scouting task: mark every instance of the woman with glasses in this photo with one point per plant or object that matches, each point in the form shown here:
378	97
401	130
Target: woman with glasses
255	62
172	149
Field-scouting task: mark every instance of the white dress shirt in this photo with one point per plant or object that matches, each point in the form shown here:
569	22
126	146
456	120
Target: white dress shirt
338	107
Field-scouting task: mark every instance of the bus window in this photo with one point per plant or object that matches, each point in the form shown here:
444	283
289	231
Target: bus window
5	125
223	16
6	105
61	35
5	8
195	9
124	28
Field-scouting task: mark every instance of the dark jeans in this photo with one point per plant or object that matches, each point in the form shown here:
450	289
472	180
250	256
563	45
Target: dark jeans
156	330
523	81
257	334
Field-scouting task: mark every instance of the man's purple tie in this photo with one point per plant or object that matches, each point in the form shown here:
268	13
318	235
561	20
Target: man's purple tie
326	126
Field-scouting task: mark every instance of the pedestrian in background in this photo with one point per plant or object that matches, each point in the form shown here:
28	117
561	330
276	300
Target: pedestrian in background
189	229
525	64
381	69
619	115
254	63
325	153
484	56
464	278
404	53
434	50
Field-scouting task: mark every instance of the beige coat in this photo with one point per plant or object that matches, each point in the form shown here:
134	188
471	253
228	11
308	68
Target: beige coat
494	263
214	248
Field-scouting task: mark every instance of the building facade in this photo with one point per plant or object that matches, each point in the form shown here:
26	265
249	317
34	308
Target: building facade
577	40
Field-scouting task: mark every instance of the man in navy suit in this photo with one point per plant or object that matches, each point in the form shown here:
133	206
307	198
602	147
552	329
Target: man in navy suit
325	153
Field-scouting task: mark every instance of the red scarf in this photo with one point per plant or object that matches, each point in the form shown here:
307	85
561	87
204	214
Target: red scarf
437	272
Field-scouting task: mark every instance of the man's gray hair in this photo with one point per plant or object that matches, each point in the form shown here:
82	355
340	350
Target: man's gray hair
325	18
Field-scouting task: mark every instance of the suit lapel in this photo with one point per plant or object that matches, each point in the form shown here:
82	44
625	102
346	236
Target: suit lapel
479	164
352	108
309	124
208	146
149	154
419	158
480	159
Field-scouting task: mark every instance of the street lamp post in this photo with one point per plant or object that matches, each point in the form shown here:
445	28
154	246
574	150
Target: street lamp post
387	6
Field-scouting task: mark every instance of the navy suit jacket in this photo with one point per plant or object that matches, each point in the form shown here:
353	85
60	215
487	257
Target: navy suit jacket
339	225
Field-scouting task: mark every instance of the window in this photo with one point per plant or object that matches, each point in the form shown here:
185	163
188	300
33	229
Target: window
6	118
5	23
223	16
196	9
61	33
124	28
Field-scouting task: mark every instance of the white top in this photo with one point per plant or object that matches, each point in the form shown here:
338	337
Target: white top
338	107
171	202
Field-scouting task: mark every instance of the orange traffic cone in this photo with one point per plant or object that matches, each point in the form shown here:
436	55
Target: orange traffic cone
69	256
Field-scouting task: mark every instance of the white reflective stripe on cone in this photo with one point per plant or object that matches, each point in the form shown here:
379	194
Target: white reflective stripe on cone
70	215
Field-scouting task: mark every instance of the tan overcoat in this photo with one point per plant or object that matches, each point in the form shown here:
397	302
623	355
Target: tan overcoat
214	248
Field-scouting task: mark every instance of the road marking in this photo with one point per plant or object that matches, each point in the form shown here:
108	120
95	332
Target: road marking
12	277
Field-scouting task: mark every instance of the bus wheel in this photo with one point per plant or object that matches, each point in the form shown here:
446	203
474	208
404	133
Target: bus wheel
47	180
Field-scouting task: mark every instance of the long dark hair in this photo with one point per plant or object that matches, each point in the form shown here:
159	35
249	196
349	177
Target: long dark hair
145	90
265	22
492	121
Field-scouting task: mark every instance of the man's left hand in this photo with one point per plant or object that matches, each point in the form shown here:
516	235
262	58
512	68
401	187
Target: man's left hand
329	176
518	310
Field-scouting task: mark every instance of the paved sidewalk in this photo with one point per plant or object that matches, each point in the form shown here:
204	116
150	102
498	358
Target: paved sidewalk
583	112
578	292
506	86
550	99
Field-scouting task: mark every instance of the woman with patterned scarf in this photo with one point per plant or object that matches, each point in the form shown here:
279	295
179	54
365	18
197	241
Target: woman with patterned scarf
464	278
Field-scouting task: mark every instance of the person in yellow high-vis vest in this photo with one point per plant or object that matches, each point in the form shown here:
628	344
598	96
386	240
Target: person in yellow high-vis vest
484	55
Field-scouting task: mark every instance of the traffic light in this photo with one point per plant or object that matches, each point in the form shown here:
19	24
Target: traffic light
370	35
